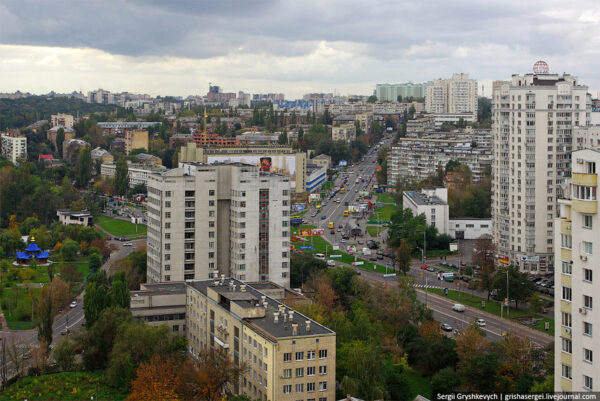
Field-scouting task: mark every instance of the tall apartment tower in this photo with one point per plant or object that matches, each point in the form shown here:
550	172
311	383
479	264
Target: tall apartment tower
578	255
452	96
533	116
210	219
13	146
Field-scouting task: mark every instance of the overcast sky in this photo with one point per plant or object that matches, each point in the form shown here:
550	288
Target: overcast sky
177	47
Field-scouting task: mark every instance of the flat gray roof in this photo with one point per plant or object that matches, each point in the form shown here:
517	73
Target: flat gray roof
422	199
265	324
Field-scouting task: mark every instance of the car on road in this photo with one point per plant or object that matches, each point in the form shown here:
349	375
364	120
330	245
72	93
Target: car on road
65	331
463	264
373	259
128	244
73	304
446	327
424	267
458	307
380	257
480	322
313	215
323	217
343	240
430	269
340	226
359	242
332	231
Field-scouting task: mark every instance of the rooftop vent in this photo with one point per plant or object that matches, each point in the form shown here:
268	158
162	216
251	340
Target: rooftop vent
294	329
291	315
308	325
275	317
266	304
216	283
243	287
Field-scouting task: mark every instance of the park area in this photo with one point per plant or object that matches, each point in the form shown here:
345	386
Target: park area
383	213
385	198
121	228
22	284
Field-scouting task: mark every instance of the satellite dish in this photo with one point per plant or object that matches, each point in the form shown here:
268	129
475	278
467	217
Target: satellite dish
540	67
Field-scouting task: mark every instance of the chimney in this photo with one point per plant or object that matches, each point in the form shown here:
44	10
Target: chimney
222	279
291	315
243	287
275	317
233	287
263	298
265	304
216	283
294	329
308	325
231	283
285	317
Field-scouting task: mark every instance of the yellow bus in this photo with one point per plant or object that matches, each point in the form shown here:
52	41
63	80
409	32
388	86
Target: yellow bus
343	190
330	224
345	213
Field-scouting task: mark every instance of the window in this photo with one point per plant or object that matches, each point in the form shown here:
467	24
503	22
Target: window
168	247
167	204
167	267
167	215
310	387
587	301
310	371
566	319
211	224
211	192
300	387
211	244
322	386
587	247
587	275
287	389
566	372
310	355
167	225
566	293
211	213
299	372
323	370
167	235
168	194
566	241
299	356
587	221
322	353
167	278
567	345
287	357
287	373
189	193
211	234
168	256
590	167
587	328
211	203
567	267
587	382
588	355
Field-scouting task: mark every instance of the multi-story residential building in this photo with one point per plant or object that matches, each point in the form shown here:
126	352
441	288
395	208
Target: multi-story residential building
161	304
14	146
431	202
135	140
533	116
577	256
289	356
343	132
457	95
274	158
365	120
315	176
391	92
586	137
138	174
103	155
419	158
417	127
223	218
52	133
62	120
202	138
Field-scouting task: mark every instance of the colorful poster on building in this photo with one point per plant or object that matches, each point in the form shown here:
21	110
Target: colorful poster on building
298	207
274	164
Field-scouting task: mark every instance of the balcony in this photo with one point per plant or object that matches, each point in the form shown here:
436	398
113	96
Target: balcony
588	180
585	206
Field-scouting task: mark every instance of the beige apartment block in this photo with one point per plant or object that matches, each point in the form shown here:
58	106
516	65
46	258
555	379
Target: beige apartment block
452	96
533	118
135	140
225	218
343	132
13	146
289	357
62	120
577	255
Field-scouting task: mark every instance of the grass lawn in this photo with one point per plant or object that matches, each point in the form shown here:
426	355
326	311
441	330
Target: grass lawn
385	198
385	213
419	385
321	246
372	230
120	228
65	386
494	308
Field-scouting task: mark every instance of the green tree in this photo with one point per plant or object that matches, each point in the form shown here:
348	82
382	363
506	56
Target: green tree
64	354
94	302
83	167
121	177
45	316
403	256
283	138
452	164
444	382
372	99
95	261
519	287
480	372
119	293
360	370
69	249
60	138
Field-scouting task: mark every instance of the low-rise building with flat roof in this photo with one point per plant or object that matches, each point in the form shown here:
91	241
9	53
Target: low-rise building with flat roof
433	203
161	303
82	218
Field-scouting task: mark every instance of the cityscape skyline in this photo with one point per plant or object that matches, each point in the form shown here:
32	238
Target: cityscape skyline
177	49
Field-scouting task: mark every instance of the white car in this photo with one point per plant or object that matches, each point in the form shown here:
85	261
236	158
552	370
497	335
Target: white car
480	322
73	304
128	244
459	307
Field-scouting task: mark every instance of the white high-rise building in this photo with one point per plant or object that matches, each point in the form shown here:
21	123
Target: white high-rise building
14	146
205	220
533	116
457	95
577	255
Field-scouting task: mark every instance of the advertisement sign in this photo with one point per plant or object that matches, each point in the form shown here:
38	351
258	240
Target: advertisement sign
298	207
358	263
343	163
526	258
335	256
503	259
336	247
274	164
308	232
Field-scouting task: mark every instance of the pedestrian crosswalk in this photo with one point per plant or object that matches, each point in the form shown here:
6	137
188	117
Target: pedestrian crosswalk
427	286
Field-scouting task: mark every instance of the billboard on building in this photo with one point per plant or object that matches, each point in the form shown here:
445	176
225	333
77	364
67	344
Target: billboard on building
298	207
342	163
274	164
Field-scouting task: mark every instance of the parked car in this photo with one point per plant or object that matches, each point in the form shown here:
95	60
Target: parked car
73	304
128	244
446	327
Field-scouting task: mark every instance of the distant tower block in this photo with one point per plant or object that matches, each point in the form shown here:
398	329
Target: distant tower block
540	67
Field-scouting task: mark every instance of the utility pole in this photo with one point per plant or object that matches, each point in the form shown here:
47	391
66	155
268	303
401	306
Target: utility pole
507	298
424	244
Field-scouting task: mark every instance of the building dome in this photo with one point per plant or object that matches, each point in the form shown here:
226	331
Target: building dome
540	67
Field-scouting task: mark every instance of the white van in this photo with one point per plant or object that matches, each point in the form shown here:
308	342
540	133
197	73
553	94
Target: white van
459	307
319	256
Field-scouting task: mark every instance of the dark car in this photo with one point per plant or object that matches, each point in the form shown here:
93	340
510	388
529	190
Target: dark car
323	217
332	231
